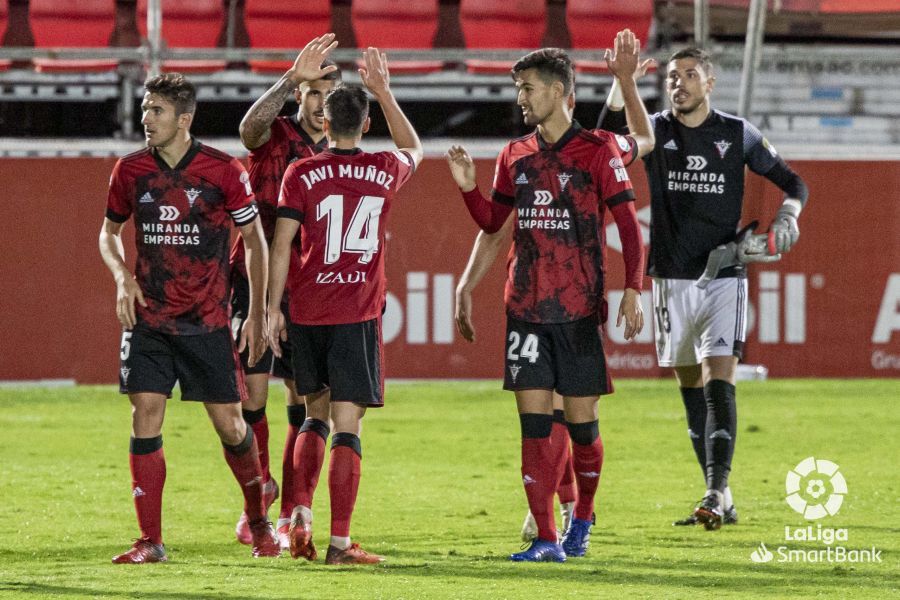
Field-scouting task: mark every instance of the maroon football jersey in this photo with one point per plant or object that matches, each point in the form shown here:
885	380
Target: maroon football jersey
341	199
287	143
182	216
559	194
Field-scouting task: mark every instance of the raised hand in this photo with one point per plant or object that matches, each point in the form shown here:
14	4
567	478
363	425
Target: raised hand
308	65
624	59
461	168
375	75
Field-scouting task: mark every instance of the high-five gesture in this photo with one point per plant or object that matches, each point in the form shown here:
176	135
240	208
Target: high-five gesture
461	168
624	59
375	75
308	65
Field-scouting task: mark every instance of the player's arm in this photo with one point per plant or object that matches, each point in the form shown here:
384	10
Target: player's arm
624	62
490	216
255	126
127	290
376	77
483	255
279	261
762	159
256	260
630	308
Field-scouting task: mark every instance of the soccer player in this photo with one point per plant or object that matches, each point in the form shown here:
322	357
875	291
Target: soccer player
558	180
696	176
339	201
274	142
624	62
174	310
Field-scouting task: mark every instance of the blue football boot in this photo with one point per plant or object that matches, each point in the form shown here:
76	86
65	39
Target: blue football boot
577	538
540	551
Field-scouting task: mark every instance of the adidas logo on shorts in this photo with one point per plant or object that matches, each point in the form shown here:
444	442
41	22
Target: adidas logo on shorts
721	342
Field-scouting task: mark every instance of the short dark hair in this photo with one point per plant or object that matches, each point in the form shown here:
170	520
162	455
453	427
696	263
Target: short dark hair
700	55
175	88
334	75
552	64
346	108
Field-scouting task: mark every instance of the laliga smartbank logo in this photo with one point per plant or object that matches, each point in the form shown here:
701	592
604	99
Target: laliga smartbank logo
815	489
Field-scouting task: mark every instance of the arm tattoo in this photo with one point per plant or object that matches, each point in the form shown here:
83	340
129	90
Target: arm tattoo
263	112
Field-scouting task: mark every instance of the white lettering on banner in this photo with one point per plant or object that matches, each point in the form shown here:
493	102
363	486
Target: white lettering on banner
417	312
889	314
770	308
627	360
883	360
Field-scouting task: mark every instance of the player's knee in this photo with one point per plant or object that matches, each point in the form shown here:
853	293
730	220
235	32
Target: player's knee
535	425
584	434
252	417
237	440
349	440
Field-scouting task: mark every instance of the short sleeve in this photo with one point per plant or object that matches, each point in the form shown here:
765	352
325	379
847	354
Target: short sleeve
402	166
291	196
610	172
239	199
759	154
118	204
503	190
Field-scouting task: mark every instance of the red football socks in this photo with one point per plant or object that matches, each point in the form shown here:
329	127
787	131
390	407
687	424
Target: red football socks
343	483
148	476
588	462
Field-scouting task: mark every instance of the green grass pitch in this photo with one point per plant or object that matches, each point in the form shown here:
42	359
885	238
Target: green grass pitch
441	497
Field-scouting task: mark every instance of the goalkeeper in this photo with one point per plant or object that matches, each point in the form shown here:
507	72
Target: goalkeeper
696	178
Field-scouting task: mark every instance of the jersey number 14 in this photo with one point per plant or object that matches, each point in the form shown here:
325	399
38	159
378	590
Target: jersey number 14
361	236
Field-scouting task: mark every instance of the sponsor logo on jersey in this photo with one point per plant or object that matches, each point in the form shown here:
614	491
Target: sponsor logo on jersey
168	213
521	179
624	146
696	163
192	195
245	179
146	198
722	146
542	198
514	371
616	163
768	146
671	145
339	278
563	180
621	174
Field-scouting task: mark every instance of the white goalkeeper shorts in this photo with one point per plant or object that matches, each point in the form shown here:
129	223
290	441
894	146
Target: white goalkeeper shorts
693	324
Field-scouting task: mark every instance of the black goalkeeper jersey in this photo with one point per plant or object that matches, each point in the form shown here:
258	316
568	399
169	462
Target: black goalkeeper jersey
696	178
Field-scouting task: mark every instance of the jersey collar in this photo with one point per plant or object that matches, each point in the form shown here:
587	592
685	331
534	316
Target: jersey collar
193	150
570	133
343	152
295	123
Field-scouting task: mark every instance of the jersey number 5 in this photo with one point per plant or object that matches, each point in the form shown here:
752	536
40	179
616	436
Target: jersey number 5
361	236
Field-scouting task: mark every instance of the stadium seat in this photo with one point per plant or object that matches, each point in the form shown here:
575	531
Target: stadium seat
72	23
4	64
411	24
194	24
501	24
595	23
285	24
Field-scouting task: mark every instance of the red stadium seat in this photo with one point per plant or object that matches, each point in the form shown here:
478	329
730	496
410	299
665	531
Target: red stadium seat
71	23
4	64
285	24
595	23
501	24
193	24
391	24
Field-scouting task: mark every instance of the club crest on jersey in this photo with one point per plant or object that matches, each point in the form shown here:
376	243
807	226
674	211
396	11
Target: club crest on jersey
521	179
192	195
245	179
722	146
125	371
624	146
563	180
514	371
